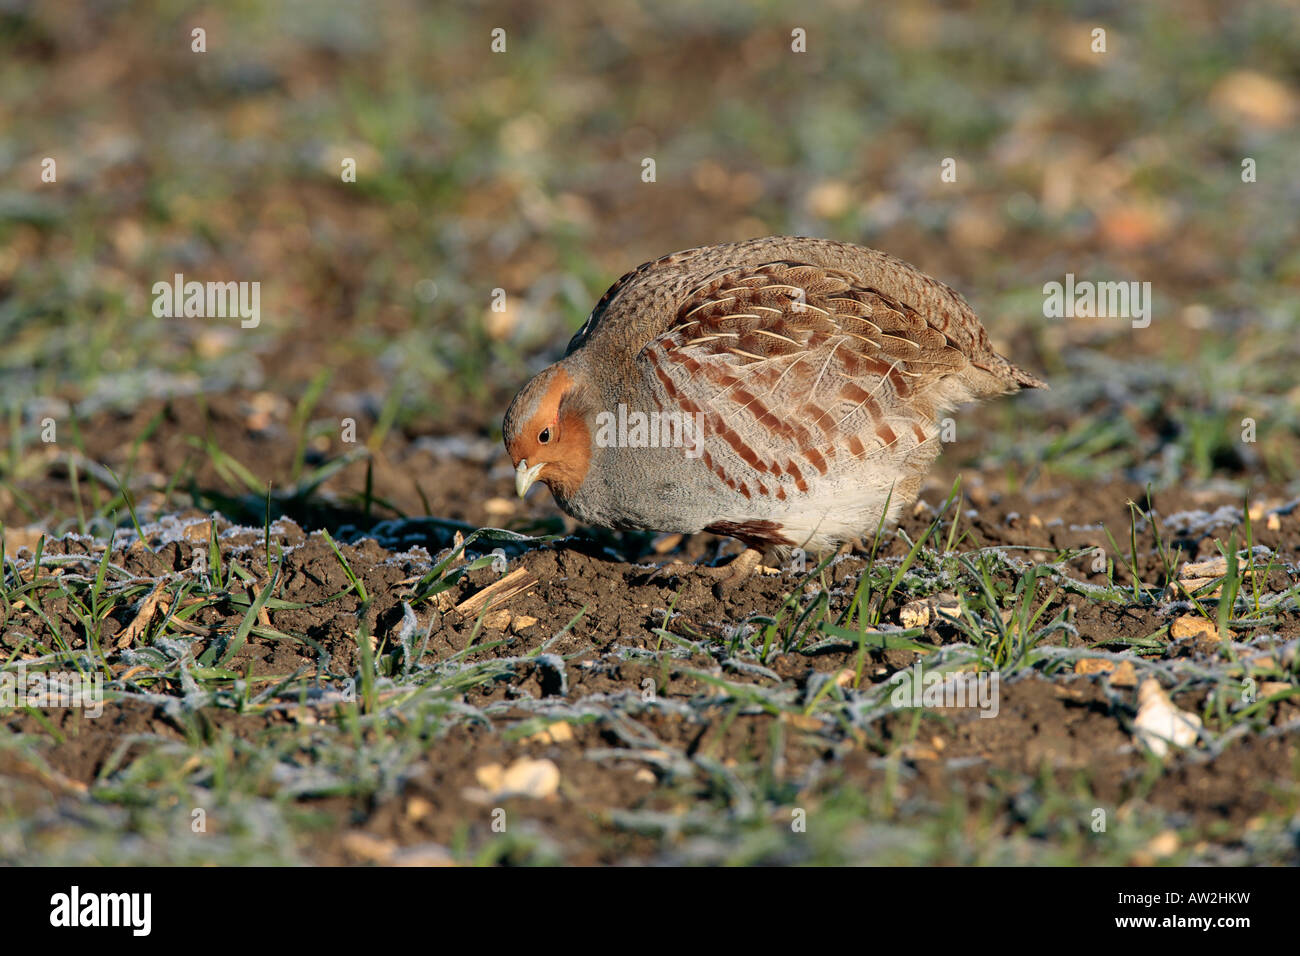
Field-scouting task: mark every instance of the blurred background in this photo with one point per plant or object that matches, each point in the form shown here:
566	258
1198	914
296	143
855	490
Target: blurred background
522	170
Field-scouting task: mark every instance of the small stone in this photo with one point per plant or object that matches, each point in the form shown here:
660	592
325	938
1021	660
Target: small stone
1093	665
644	775
914	614
561	733
1255	98
1159	723
530	778
1191	626
1274	523
521	622
845	676
489	776
523	778
1163	844
499	507
417	808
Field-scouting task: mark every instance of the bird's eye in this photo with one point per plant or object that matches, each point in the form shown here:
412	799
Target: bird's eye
545	436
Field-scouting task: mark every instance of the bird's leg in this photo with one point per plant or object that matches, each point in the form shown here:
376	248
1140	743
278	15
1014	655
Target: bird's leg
734	572
743	564
737	570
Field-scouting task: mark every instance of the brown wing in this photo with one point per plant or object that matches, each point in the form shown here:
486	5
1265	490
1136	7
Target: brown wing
793	365
643	304
648	292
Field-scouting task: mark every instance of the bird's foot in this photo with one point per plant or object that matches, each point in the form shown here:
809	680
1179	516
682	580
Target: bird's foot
724	577
738	570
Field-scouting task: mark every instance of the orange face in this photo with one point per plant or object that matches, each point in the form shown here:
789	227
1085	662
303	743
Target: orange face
547	435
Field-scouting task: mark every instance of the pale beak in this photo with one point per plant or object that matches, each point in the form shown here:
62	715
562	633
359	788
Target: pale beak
525	476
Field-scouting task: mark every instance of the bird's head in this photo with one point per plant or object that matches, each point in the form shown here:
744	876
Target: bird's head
547	433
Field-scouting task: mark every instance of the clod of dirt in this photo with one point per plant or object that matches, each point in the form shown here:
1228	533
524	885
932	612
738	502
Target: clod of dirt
936	607
497	620
1122	673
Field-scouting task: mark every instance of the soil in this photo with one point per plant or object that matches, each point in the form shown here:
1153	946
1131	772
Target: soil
600	598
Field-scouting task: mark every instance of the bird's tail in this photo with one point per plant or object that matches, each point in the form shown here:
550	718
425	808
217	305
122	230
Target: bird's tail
998	366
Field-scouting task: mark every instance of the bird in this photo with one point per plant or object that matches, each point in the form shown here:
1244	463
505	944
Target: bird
786	391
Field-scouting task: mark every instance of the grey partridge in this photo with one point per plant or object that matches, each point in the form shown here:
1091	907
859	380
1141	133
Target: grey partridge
778	390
